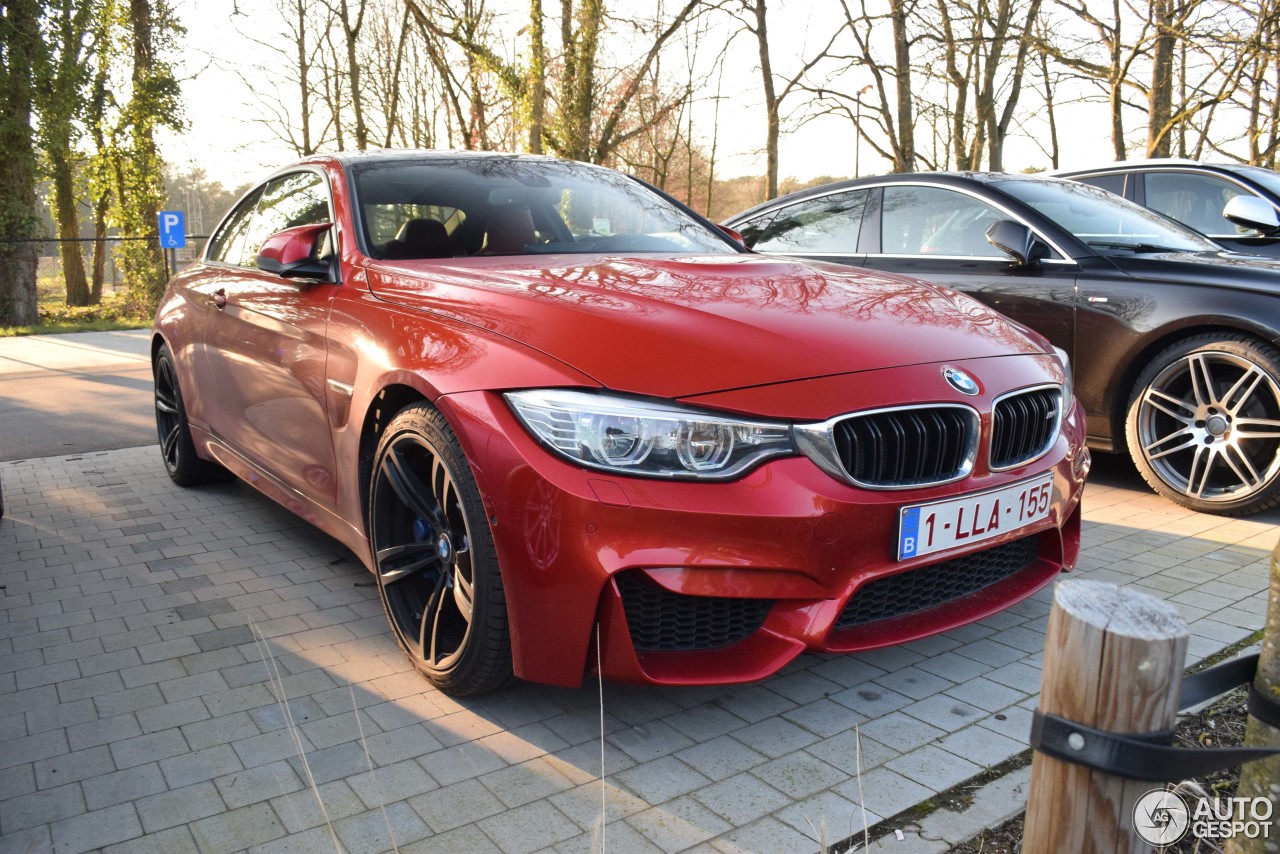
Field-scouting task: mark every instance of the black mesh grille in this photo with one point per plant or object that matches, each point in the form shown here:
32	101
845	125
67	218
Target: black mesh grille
1023	426
905	447
660	620
920	589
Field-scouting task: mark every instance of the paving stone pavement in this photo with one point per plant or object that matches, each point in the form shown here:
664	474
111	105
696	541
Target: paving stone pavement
199	670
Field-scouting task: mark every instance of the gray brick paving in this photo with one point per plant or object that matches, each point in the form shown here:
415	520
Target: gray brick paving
138	713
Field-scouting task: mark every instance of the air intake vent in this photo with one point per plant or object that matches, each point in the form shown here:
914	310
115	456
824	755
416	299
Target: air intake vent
931	586
660	620
914	446
1024	426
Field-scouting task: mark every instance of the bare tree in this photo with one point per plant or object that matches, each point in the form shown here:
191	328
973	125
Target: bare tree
350	15
887	122
1114	73
754	15
284	83
589	100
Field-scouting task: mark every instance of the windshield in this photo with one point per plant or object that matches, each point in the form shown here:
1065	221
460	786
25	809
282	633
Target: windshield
450	207
1106	222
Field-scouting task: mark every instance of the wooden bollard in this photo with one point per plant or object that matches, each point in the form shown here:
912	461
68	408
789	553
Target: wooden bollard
1113	660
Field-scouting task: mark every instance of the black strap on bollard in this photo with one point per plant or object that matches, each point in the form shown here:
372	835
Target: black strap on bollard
1149	756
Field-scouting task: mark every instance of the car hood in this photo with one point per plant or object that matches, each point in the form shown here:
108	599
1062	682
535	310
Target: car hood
1220	269
672	327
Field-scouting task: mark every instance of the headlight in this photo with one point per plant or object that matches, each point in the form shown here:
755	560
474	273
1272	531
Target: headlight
647	438
1068	387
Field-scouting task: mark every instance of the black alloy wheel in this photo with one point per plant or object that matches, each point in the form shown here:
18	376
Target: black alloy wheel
1204	424
437	571
176	448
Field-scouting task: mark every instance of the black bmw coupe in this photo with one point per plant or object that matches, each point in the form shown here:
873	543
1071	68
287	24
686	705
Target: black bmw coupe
1175	341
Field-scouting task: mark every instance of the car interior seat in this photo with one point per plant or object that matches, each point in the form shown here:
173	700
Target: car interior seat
420	238
509	230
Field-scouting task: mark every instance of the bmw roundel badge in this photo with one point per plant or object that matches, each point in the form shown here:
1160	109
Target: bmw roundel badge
960	381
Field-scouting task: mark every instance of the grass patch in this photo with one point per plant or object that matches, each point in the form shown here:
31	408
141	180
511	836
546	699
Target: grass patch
58	317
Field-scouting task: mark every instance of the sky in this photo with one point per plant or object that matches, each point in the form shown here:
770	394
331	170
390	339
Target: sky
223	139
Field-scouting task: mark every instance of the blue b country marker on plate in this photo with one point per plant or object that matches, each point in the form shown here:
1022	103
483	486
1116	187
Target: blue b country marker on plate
908	532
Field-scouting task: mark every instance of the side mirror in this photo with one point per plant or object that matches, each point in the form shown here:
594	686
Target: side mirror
1015	240
733	235
1252	212
301	252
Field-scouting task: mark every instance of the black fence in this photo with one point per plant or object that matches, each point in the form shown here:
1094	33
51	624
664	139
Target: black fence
49	256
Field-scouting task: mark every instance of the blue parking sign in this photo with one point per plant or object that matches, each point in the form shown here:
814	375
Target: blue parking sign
173	230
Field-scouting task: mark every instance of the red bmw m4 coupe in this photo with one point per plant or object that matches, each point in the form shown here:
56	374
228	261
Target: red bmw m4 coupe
538	397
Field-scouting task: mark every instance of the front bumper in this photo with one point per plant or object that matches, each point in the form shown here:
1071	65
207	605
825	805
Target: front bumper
579	547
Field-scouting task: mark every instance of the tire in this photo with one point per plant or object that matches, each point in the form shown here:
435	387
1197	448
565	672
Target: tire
1203	424
176	448
437	570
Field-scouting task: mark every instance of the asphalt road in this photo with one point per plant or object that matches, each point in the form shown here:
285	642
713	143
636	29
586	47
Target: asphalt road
75	393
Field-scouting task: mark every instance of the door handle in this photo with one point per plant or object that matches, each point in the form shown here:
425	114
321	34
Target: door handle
219	299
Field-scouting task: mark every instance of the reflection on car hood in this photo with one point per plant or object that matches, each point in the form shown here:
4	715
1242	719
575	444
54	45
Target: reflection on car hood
671	327
1219	269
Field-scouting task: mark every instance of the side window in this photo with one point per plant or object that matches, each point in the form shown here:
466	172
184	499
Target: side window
753	229
225	245
1110	183
826	224
290	200
935	221
1194	200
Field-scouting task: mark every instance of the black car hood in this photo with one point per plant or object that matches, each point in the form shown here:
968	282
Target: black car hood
1221	269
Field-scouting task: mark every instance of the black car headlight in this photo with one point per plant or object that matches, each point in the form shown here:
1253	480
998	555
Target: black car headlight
647	438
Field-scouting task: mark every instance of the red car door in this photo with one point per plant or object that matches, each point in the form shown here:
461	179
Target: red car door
265	350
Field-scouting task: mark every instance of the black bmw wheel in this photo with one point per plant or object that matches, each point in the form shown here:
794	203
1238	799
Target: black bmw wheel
1204	424
437	572
176	447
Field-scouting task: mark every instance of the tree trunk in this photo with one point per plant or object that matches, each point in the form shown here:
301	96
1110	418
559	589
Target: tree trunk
1050	112
1116	99
304	82
1160	95
99	247
18	44
64	197
352	32
1261	779
995	158
537	77
772	122
141	183
904	154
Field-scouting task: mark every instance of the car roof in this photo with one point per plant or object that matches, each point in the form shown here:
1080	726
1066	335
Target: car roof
393	155
1155	163
956	179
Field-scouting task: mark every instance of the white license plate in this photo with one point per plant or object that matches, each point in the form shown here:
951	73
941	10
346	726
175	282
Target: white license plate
927	528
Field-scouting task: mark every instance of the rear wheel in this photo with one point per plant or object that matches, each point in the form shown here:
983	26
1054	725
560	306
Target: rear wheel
437	571
176	447
1204	424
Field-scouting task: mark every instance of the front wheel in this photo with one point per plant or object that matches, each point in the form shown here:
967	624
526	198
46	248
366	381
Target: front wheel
436	567
1204	424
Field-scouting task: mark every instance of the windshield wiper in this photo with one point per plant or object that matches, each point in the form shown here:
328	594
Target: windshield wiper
1136	248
